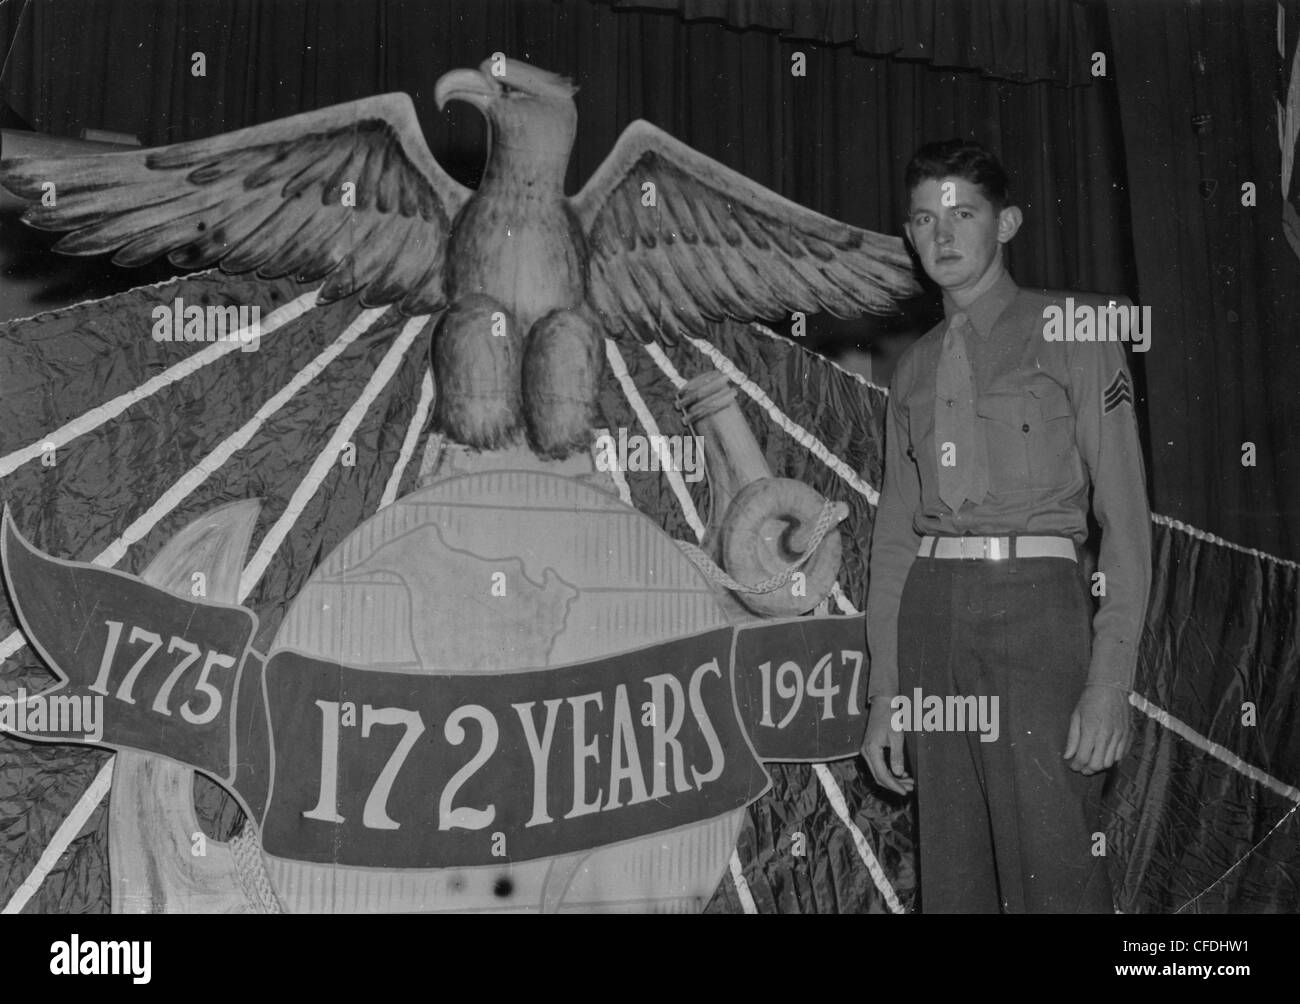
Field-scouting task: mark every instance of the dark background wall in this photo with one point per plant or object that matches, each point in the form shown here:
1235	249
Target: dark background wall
1112	171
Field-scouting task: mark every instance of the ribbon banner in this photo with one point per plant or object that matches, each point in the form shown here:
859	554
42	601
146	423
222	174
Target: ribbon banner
354	766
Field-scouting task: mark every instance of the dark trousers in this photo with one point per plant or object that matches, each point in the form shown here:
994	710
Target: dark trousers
1004	825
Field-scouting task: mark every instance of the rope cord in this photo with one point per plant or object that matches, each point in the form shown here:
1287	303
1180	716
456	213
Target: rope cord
831	515
247	855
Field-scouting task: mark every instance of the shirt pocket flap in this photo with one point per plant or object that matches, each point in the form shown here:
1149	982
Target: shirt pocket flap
1001	407
1052	404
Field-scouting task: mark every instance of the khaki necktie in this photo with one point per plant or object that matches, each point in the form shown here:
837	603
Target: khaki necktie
958	440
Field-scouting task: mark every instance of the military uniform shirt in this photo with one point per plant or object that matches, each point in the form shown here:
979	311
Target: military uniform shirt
1057	420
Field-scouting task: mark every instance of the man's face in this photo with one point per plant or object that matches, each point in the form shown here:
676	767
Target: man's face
956	231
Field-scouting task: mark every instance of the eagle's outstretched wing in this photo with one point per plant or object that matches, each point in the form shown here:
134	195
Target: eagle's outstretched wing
716	243
271	198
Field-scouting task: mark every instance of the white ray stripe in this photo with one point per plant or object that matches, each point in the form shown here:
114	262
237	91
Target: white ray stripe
797	432
841	808
109	410
196	475
1185	731
412	437
237	441
620	482
63	837
327	458
665	364
742	887
844	604
648	422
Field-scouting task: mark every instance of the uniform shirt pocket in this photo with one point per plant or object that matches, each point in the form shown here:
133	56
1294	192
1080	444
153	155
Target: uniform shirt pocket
1051	451
1003	419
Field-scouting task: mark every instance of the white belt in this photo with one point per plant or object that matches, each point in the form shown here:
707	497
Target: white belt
997	548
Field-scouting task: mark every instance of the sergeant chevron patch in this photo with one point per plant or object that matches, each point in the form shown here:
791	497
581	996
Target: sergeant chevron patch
1118	392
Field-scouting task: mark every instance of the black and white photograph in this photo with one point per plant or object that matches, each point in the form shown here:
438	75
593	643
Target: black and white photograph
471	457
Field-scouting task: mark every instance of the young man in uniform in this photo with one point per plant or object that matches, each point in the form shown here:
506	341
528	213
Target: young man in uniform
996	437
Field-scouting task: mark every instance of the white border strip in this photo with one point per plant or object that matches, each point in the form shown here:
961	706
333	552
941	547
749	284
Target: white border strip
1210	538
110	409
63	837
100	299
412	437
763	329
327	457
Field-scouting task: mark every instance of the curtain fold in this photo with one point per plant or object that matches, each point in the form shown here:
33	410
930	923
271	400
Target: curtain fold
1198	107
1019	40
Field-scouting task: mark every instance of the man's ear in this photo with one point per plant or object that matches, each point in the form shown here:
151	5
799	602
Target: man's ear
907	235
1009	221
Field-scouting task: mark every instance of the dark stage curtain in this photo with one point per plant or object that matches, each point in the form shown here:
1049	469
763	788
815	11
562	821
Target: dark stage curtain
1010	39
1197	88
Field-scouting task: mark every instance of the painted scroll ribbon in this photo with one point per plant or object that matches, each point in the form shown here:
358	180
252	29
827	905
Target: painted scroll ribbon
397	770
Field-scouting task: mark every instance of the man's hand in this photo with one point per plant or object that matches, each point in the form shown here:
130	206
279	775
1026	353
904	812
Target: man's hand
881	737
1100	729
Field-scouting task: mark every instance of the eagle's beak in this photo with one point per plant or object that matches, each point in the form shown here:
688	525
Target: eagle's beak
464	85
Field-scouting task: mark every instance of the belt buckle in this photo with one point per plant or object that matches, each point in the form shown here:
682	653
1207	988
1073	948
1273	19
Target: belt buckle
993	549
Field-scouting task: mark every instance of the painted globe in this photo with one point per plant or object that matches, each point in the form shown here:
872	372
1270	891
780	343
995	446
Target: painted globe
507	571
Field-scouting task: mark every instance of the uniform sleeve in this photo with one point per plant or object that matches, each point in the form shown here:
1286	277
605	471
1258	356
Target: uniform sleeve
894	543
1107	437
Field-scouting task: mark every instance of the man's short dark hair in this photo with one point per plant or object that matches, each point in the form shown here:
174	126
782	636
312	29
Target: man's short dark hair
960	158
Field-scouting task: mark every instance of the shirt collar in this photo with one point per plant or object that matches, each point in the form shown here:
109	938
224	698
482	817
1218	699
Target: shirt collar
985	311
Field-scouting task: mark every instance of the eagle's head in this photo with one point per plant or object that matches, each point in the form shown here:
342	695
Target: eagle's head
529	110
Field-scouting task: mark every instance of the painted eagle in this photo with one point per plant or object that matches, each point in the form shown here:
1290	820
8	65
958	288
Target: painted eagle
528	281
